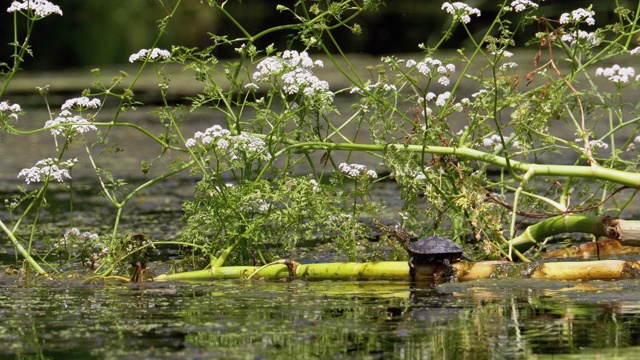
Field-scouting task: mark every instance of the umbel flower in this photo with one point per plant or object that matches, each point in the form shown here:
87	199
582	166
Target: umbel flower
294	68
153	54
356	170
70	125
42	8
47	169
222	142
10	110
460	11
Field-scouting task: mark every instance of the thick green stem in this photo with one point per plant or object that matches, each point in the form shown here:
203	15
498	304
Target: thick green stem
377	270
22	250
596	172
570	223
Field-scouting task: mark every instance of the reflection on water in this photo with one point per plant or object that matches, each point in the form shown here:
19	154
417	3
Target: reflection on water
303	320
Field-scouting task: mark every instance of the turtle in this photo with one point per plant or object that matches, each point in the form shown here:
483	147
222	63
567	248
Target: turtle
430	250
434	249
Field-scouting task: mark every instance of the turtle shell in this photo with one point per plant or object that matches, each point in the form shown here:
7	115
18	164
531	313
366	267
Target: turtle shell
435	248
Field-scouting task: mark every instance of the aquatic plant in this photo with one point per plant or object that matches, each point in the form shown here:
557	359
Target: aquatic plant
466	137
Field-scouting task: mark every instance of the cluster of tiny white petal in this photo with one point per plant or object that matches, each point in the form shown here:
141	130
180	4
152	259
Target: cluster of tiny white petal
270	66
289	60
578	15
502	53
77	123
295	69
250	145
522	5
355	170
315	187
47	168
508	65
75	233
13	109
460	11
209	136
595	143
488	142
433	67
152	54
495	140
635	51
303	79
41	8
590	38
222	140
240	49
617	74
479	92
421	175
257	205
441	99
371	87
294	59
81	103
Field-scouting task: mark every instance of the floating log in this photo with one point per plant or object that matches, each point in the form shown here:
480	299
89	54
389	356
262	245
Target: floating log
603	248
399	270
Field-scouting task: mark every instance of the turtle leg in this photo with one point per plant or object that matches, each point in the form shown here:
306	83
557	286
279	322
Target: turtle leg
448	270
412	269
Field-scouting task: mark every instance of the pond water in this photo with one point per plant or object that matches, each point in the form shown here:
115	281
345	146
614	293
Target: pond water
485	319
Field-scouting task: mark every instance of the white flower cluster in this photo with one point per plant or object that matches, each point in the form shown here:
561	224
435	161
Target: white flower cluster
81	103
578	15
372	87
69	124
494	140
355	170
460	11
303	79
46	169
257	205
250	145
295	71
433	67
617	74
479	93
75	233
508	65
222	140
13	109
420	175
210	136
522	5
589	37
502	53
41	8
152	54
594	143
442	100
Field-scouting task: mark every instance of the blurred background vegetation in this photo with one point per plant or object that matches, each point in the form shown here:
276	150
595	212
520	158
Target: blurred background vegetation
98	32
